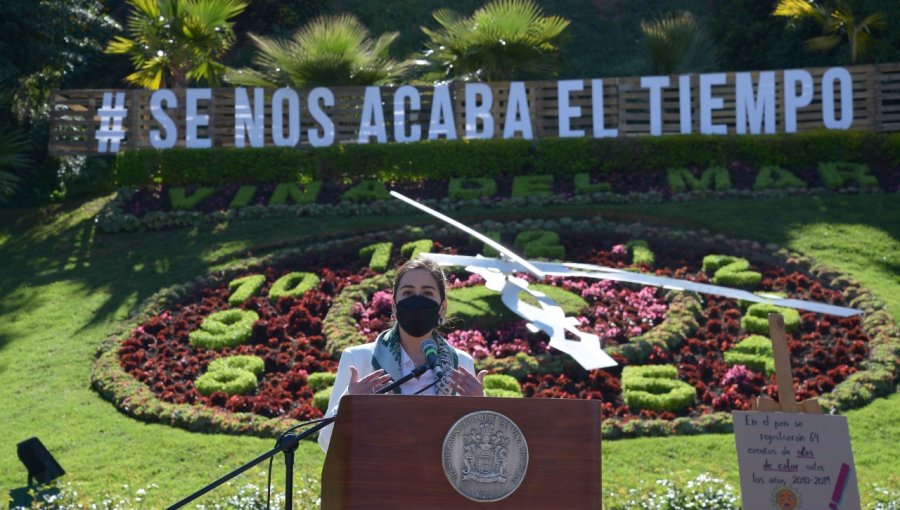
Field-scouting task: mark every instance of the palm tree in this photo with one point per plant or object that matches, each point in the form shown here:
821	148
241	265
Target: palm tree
504	40
837	21
328	51
175	42
14	147
677	44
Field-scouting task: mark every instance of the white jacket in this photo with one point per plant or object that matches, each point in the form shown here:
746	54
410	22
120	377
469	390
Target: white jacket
360	356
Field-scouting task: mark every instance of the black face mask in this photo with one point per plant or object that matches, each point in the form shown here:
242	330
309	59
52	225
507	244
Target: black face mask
418	315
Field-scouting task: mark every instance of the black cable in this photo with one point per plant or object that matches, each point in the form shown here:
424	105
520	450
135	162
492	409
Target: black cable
426	387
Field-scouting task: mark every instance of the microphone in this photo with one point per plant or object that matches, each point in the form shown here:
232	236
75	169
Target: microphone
429	349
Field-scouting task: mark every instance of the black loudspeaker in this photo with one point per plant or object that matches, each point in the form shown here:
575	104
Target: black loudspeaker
41	466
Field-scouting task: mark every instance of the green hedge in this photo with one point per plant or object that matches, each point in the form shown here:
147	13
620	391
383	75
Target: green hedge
232	381
228	328
540	244
656	388
754	352
641	254
321	397
318	381
443	159
293	285
471	188
379	255
244	288
412	249
731	271
252	364
502	382
756	320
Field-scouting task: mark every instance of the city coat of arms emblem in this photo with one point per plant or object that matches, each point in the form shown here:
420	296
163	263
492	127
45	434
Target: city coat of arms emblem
485	456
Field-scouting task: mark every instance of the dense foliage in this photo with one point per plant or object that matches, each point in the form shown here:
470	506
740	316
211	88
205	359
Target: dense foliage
329	51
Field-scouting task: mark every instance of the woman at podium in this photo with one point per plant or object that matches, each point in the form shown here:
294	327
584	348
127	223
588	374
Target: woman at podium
419	306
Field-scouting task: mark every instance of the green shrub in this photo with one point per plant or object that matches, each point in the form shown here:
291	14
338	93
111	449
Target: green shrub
294	285
321	397
227	328
641	254
540	244
489	251
482	307
232	381
565	156
731	271
532	186
681	179
656	388
712	263
859	389
379	255
285	190
499	393
583	184
754	352
182	202
366	191
244	288
252	364
838	175
217	166
442	159
502	382
775	177
321	380
412	249
649	372
471	188
744	304
243	196
756	320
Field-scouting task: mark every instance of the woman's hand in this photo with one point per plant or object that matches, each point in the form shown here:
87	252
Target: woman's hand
466	383
368	384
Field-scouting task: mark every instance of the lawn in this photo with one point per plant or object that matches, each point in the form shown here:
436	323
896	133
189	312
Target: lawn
65	287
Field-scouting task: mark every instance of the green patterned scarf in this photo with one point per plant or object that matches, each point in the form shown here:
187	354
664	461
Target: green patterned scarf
387	356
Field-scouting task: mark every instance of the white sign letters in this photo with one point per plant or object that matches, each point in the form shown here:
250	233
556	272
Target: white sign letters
714	103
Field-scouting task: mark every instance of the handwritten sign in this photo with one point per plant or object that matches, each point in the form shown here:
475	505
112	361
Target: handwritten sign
795	461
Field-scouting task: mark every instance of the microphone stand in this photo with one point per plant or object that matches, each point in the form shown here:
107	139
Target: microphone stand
288	444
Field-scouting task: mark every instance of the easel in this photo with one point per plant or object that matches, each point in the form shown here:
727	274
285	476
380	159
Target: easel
783	376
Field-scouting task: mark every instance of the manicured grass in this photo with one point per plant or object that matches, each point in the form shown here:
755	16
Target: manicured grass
64	287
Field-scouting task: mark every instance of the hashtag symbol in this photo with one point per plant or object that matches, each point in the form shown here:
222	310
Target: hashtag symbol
111	114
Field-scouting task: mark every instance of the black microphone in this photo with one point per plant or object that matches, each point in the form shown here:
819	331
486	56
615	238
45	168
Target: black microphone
429	349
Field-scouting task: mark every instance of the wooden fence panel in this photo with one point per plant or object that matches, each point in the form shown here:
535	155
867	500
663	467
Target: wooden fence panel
75	118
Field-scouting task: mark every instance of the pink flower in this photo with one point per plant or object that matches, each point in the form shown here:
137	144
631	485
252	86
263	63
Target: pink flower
737	374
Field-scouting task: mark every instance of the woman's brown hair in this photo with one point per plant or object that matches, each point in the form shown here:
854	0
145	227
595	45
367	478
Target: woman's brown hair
428	265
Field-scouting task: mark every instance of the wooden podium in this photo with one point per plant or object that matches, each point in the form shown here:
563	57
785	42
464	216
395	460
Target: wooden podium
386	452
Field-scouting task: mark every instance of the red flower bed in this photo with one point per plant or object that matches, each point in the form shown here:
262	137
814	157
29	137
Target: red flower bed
288	336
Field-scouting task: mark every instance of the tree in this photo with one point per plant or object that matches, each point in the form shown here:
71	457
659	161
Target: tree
14	148
504	40
677	44
328	51
838	23
175	42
